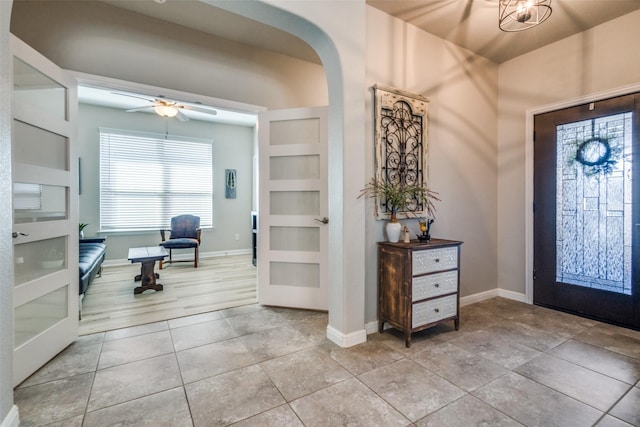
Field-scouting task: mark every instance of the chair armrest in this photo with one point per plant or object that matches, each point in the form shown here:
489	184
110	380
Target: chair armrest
199	230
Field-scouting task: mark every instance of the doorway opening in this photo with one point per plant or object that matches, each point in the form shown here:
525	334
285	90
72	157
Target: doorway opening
225	276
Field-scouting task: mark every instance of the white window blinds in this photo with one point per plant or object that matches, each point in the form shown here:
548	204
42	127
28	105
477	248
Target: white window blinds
145	179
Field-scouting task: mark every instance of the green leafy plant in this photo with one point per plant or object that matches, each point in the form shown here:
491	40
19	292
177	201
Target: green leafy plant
399	197
81	226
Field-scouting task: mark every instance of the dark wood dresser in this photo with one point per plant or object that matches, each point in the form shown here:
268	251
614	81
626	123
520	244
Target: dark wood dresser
418	285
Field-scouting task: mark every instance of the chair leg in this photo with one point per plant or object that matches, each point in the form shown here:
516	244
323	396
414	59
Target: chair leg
195	259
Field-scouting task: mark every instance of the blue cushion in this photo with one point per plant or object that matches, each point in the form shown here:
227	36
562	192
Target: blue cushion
180	243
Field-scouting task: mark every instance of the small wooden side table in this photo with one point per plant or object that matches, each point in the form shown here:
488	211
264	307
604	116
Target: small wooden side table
147	256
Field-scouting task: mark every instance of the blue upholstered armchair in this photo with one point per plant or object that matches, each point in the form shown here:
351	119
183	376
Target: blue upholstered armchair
184	234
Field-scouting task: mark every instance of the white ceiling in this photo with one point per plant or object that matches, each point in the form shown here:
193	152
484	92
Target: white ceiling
472	24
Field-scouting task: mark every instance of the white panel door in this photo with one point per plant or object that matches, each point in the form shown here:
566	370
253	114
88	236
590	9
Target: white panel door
292	217
45	217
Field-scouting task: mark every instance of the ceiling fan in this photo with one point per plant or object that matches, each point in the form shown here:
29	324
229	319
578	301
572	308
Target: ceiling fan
168	108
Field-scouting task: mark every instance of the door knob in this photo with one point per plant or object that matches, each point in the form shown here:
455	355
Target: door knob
16	234
324	220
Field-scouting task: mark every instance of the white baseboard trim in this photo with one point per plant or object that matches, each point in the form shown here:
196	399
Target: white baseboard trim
346	340
372	327
12	419
480	296
516	296
184	256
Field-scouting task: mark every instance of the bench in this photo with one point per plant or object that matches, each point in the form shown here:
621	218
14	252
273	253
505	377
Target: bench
91	256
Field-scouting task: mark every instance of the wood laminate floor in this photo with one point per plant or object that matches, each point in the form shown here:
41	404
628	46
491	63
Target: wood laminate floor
216	284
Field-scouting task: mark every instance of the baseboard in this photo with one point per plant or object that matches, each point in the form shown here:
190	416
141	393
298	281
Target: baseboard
346	340
12	419
480	296
516	296
185	256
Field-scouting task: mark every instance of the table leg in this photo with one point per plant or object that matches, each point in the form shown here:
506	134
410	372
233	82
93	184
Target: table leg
147	277
139	276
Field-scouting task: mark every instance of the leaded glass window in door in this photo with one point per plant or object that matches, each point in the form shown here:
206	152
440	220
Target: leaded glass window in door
593	203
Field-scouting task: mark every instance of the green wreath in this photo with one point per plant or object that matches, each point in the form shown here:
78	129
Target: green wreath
597	156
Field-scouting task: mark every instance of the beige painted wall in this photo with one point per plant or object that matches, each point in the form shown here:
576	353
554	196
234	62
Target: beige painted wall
462	88
233	149
601	59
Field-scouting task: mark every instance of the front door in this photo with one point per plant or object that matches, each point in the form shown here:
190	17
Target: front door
292	216
45	204
587	210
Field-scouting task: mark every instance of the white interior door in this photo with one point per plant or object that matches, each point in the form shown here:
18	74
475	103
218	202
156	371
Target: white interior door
292	217
45	218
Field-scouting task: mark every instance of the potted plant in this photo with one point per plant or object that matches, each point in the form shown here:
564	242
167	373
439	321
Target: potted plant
398	197
81	227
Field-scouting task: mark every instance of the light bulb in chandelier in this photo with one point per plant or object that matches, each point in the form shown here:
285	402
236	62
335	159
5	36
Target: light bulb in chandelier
524	11
518	15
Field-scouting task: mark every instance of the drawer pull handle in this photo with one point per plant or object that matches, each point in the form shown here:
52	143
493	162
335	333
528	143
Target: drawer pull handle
437	260
437	285
437	310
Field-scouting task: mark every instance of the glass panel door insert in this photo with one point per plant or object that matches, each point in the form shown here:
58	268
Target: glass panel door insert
593	203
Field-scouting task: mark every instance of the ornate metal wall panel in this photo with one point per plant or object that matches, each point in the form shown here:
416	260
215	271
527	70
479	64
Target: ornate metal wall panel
401	143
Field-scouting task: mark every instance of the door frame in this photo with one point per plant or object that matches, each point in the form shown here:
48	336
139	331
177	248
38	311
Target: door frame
528	202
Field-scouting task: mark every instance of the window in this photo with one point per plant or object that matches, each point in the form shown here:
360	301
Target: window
145	179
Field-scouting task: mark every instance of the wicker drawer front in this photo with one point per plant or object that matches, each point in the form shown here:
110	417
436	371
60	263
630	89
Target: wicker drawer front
434	310
431	260
434	285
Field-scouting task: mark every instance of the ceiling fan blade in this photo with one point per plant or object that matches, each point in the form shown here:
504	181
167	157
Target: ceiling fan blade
133	96
199	109
147	108
181	117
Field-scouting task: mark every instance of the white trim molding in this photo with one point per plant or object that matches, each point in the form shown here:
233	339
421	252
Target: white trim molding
12	419
346	340
480	296
624	90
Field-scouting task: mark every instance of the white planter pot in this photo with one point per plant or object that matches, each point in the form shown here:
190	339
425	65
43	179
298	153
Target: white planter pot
393	231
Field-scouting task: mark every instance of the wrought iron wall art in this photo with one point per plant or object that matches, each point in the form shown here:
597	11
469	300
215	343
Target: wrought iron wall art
401	143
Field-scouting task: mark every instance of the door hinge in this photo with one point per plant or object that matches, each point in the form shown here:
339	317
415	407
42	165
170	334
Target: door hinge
534	274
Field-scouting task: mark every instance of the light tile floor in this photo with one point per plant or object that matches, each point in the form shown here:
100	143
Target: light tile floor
510	364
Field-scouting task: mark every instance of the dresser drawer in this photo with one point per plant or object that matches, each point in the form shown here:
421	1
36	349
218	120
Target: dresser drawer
434	284
431	260
434	310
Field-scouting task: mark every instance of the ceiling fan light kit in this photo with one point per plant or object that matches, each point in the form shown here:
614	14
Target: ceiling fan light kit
519	15
166	110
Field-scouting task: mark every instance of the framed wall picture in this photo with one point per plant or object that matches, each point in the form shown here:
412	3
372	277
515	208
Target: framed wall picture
401	143
230	183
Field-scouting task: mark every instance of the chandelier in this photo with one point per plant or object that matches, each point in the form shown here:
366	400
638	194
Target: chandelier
518	15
